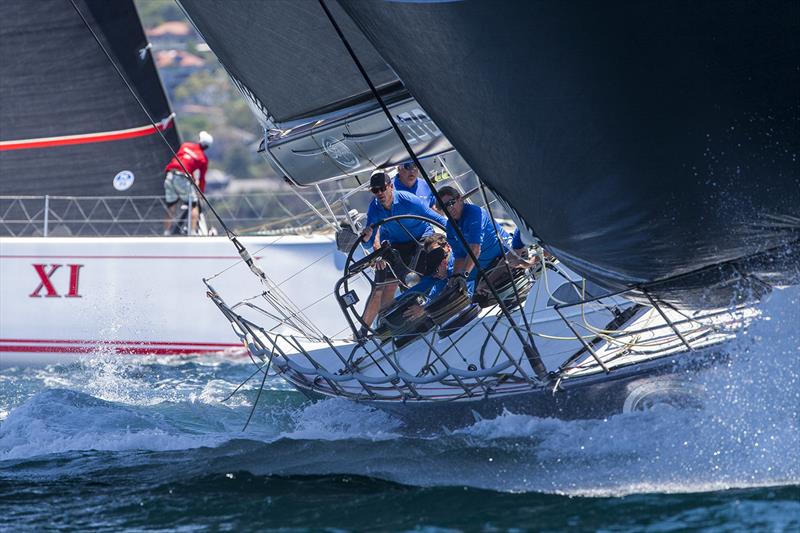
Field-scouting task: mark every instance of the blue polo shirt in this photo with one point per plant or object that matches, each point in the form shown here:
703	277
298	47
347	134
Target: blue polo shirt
516	241
404	203
431	286
477	227
420	188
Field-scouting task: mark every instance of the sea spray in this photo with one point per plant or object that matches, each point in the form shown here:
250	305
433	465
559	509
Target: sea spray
57	421
744	435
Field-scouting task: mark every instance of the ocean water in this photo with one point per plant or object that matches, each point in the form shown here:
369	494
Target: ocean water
149	444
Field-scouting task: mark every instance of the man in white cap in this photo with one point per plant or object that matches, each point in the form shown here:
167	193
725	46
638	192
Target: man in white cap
190	163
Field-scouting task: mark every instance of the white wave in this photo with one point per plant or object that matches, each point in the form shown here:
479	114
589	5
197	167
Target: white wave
57	421
746	435
337	419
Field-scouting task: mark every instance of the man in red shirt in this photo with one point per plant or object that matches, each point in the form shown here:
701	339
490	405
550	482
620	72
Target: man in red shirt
190	158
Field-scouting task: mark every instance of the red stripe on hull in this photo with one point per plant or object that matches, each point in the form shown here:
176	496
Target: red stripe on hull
220	345
91	349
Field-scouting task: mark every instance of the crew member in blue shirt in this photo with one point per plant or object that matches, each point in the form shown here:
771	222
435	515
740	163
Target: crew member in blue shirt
479	231
520	249
516	243
407	179
438	270
403	236
438	267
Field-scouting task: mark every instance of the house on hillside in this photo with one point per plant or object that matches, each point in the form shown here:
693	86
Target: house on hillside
172	35
177	65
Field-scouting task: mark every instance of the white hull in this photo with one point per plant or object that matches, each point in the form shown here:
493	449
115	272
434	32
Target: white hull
467	361
144	295
606	343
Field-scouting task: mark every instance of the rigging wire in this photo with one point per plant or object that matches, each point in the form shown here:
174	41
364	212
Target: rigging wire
240	248
258	396
258	369
529	348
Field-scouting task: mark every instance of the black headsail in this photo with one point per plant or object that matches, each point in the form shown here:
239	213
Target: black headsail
645	143
68	122
320	118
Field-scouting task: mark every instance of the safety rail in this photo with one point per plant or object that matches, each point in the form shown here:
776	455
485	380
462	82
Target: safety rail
375	369
259	213
289	210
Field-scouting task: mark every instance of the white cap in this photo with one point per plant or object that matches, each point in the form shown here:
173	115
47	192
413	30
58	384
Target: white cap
205	139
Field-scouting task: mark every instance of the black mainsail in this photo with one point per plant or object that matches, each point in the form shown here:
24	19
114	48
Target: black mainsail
320	118
640	141
68	122
647	145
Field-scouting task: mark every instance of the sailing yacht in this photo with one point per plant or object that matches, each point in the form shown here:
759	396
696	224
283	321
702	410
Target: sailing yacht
86	133
646	149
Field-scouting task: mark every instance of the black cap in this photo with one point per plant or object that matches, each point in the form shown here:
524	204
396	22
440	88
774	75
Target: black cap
379	179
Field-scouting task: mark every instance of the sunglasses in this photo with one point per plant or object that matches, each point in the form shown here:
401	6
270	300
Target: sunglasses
407	166
376	190
450	203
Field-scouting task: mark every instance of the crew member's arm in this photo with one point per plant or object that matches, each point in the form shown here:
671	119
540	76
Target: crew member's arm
472	229
435	215
368	234
202	182
372	237
468	263
418	207
376	242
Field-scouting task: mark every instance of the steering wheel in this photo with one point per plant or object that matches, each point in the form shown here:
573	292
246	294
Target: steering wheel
353	267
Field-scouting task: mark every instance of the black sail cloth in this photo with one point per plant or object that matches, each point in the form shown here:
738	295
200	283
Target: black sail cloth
320	118
640	141
286	58
56	82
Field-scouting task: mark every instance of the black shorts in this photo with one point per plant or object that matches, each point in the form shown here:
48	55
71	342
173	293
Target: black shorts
406	251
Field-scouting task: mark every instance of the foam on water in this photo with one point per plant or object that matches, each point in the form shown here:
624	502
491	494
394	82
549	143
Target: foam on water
341	420
746	434
56	421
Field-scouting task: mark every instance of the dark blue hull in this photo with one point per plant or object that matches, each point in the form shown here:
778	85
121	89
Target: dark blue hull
636	387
